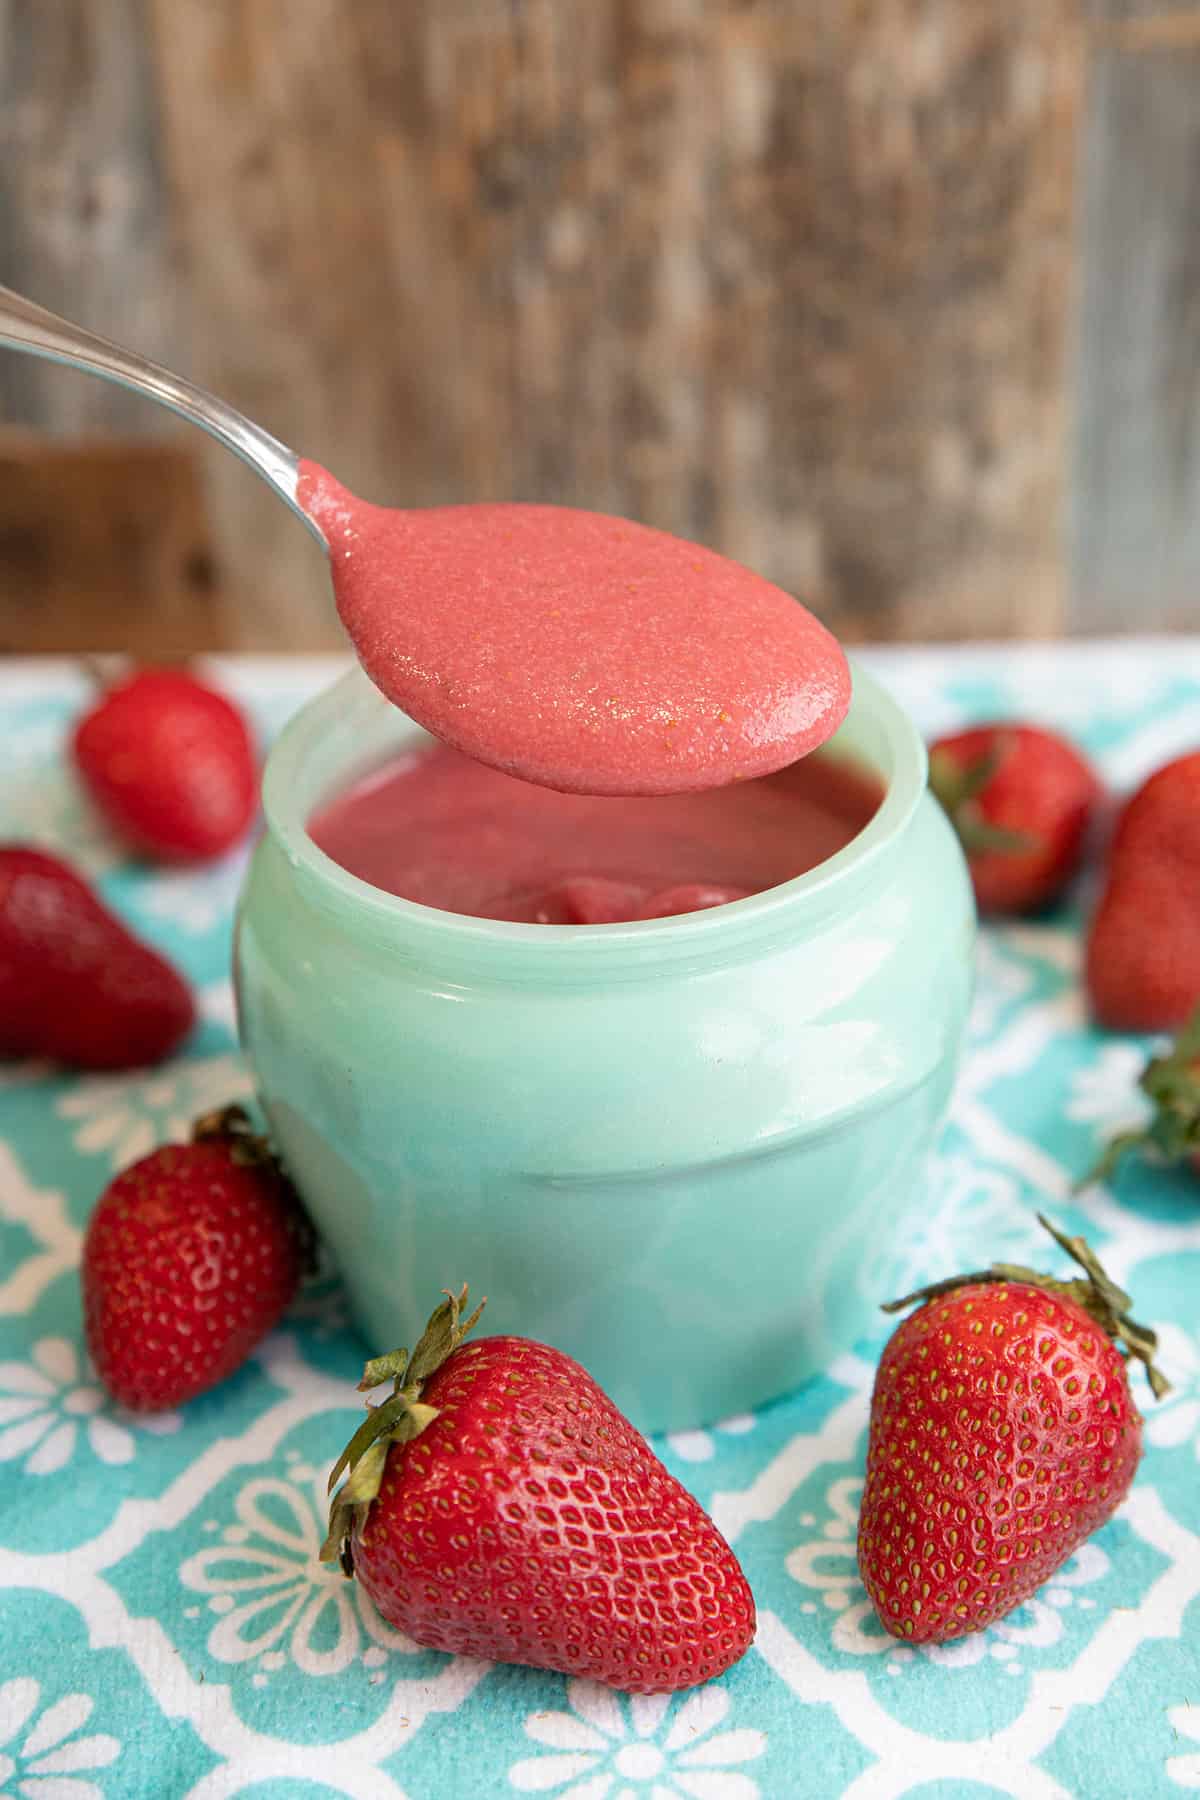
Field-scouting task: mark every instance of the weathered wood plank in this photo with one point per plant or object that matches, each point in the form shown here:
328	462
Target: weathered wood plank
83	222
1136	523
791	279
105	545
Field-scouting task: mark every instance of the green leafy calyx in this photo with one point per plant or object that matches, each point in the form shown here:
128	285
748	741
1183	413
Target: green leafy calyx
249	1149
1172	1085
958	786
1099	1297
399	1419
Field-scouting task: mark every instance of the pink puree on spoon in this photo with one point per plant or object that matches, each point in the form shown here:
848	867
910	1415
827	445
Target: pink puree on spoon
583	652
434	826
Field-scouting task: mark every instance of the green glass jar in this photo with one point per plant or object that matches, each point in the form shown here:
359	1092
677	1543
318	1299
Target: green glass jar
671	1148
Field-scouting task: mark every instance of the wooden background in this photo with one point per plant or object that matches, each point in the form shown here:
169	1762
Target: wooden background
896	300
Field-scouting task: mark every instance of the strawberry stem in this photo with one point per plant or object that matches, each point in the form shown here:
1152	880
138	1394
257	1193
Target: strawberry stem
249	1149
233	1125
957	786
1099	1296
399	1419
97	672
1172	1084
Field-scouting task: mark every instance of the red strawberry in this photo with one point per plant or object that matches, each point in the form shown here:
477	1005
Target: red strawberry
75	985
1003	1434
191	1256
1143	951
170	764
598	900
1172	1084
689	897
499	1505
1020	799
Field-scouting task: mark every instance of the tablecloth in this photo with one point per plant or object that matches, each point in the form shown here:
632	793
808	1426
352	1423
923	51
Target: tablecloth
165	1627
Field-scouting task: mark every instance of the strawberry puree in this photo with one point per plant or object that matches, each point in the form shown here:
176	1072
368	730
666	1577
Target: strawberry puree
579	651
437	827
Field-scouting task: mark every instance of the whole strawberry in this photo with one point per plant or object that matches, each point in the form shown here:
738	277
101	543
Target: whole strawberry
1003	1434
499	1505
1021	799
191	1256
75	985
1172	1085
170	764
1143	951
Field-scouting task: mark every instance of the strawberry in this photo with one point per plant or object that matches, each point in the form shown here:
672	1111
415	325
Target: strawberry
75	985
170	764
598	900
1021	799
1143	950
689	897
1172	1085
191	1256
1003	1433
499	1505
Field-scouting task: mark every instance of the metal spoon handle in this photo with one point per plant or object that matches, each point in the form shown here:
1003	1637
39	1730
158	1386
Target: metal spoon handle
26	326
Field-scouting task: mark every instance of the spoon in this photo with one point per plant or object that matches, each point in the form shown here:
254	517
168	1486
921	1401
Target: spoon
24	325
572	649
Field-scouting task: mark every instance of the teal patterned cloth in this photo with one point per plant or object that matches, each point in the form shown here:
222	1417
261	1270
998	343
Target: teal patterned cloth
165	1627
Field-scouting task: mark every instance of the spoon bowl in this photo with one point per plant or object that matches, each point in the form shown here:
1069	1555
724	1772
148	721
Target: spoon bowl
571	649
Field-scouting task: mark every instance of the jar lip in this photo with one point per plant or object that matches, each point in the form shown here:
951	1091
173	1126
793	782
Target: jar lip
568	951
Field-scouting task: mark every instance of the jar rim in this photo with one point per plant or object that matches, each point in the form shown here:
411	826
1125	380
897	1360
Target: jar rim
315	755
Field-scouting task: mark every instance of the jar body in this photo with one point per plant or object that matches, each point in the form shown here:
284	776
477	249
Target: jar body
680	1174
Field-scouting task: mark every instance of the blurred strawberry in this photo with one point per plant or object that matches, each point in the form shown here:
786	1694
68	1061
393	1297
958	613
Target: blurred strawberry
1021	799
75	985
191	1256
170	763
1143	951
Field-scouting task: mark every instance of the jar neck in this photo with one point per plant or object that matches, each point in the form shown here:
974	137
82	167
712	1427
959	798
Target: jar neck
351	729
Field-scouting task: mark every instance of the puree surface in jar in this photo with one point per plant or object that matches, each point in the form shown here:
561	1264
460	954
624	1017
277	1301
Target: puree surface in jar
433	825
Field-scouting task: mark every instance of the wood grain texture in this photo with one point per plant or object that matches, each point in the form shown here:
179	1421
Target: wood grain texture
791	279
104	544
1136	524
103	540
83	220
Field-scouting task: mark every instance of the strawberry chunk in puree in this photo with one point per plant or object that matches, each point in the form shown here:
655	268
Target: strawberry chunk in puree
434	826
579	651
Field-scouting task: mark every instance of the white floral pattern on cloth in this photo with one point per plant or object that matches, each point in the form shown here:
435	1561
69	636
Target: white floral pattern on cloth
1104	1090
322	1303
43	1757
827	1565
701	1446
1175	1421
91	1600
275	1603
1185	1723
641	1745
54	1241
217	1004
1000	981
52	1407
129	1115
973	1205
42	803
921	688
1032	686
195	900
